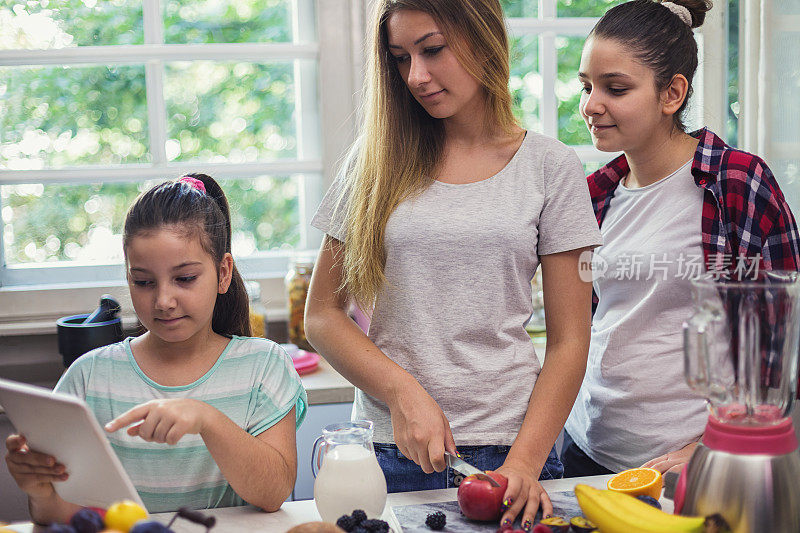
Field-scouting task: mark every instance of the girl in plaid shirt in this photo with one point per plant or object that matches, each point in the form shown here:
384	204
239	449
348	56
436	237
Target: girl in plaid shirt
673	206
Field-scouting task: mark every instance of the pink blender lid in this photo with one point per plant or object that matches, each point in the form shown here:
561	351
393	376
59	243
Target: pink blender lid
770	439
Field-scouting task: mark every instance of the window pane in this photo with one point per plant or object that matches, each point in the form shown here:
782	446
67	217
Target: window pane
45	24
232	112
265	214
585	8
571	128
82	224
733	73
62	116
787	172
592	166
212	21
526	82
520	8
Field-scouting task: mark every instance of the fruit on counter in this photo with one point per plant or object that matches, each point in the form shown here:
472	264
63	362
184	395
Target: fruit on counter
123	515
60	528
580	524
346	522
649	500
87	520
316	527
357	521
436	521
541	528
479	500
615	512
637	482
149	526
375	525
556	524
359	515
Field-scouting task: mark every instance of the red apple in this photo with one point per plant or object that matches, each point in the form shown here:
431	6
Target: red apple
479	500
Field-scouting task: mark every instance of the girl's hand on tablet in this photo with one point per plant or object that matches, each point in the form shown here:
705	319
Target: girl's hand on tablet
164	421
34	472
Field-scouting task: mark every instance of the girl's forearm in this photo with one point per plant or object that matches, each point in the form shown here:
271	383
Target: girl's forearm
53	509
339	339
257	471
550	403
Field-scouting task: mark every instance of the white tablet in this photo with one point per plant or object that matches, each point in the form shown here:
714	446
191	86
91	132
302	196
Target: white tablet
64	427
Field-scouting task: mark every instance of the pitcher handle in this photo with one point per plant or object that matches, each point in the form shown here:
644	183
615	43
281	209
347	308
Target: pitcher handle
696	352
316	455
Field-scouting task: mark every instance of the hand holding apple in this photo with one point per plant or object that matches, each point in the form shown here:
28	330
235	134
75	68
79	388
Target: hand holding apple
479	500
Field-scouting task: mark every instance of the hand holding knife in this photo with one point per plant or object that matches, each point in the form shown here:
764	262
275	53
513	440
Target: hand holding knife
460	465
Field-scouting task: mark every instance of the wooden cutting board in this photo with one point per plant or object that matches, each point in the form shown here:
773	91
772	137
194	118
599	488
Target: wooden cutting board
412	517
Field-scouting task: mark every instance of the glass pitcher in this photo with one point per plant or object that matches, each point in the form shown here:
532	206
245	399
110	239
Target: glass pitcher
349	477
741	346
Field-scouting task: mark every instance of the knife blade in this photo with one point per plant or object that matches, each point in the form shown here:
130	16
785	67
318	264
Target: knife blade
460	465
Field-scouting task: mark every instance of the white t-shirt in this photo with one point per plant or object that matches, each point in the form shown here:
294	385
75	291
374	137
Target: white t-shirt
634	404
459	262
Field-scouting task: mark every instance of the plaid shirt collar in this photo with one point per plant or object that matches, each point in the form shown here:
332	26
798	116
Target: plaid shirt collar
705	167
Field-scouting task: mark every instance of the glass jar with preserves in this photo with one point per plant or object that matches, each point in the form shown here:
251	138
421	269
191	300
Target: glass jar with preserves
297	281
258	313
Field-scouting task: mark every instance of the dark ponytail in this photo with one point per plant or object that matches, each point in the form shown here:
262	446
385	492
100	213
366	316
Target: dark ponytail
659	38
206	214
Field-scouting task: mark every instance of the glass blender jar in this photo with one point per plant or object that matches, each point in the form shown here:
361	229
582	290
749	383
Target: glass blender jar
741	352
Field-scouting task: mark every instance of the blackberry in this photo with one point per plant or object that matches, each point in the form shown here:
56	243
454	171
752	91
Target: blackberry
359	516
436	521
375	526
346	522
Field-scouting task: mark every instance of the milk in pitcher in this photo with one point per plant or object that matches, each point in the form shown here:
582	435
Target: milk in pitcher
350	477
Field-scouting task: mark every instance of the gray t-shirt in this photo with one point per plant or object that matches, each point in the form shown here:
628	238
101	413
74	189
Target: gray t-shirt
459	264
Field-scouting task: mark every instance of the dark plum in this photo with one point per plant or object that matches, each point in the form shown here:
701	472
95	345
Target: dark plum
649	500
581	524
87	521
60	528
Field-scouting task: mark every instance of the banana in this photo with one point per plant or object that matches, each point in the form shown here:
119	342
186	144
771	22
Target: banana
615	512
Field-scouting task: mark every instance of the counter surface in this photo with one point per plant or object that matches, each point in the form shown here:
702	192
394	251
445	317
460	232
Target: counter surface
246	519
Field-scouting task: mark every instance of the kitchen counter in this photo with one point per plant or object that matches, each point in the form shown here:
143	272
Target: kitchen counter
326	385
245	519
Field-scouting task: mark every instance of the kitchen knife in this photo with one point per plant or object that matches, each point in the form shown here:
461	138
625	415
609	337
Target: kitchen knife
460	465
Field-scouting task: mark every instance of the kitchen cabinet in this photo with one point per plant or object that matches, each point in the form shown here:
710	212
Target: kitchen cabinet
317	418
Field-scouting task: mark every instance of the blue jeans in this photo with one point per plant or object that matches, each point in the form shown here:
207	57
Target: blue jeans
577	463
403	475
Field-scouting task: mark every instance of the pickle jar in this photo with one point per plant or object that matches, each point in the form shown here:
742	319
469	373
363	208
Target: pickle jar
297	281
258	313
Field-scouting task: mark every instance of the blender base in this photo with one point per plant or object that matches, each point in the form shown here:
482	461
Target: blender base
754	493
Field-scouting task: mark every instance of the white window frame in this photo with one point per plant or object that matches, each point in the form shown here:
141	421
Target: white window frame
31	298
339	52
711	76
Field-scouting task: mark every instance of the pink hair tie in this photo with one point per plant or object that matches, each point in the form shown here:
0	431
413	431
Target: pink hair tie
194	182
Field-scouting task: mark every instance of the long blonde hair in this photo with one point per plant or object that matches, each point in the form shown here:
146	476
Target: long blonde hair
400	145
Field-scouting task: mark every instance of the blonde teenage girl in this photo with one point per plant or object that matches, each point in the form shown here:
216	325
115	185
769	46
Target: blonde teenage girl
439	221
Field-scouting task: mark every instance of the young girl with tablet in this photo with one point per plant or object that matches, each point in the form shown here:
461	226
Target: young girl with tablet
210	412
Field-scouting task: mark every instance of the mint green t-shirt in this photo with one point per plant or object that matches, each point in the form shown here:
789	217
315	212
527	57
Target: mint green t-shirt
253	383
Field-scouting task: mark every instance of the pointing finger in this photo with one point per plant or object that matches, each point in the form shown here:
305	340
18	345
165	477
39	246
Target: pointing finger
128	417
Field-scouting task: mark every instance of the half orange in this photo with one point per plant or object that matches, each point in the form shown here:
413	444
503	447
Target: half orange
637	482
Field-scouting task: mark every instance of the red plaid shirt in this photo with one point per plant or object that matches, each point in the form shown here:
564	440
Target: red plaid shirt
744	212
